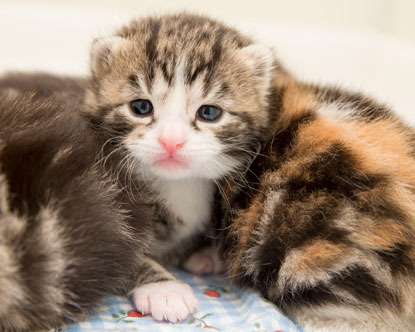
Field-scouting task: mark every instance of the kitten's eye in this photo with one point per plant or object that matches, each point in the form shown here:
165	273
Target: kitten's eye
209	113
141	107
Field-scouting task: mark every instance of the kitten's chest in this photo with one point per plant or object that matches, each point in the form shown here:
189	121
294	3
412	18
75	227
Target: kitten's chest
189	205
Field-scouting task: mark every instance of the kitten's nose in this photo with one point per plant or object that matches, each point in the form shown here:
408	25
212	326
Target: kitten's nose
172	137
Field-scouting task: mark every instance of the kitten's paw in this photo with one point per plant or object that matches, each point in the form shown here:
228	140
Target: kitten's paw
171	301
204	262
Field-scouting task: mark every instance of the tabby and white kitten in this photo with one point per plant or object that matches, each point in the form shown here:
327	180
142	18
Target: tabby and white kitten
323	221
164	112
171	94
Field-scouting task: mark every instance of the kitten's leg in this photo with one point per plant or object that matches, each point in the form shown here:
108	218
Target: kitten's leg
205	261
158	293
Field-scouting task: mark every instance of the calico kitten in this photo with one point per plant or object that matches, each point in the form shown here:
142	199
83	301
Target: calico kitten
323	220
162	115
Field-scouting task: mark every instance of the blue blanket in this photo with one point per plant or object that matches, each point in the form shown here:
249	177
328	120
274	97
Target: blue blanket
222	307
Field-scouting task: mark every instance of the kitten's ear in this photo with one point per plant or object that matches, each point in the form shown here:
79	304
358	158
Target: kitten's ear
261	60
102	52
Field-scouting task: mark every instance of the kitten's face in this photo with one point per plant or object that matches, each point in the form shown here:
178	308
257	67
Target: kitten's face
185	95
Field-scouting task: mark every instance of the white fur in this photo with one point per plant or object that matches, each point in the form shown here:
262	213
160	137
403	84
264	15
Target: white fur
335	111
187	188
166	301
339	110
177	105
190	200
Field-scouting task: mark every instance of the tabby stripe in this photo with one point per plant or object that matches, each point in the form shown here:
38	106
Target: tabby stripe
283	140
397	258
135	84
359	282
151	50
216	54
306	295
168	76
119	126
332	171
245	118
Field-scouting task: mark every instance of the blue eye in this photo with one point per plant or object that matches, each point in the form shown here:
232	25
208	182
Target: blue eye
141	107
209	113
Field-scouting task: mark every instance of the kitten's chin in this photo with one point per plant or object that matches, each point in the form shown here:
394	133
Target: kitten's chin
171	169
182	168
170	164
171	174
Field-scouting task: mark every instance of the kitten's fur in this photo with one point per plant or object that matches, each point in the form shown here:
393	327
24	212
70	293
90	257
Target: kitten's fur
64	240
310	215
323	222
179	63
88	203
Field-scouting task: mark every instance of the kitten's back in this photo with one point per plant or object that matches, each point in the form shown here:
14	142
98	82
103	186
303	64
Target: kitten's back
64	242
44	85
326	226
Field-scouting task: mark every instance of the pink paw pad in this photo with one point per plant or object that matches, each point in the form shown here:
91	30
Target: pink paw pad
204	262
171	301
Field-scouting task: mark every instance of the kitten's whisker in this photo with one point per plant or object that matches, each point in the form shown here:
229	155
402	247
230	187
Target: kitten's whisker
248	152
116	150
222	192
128	179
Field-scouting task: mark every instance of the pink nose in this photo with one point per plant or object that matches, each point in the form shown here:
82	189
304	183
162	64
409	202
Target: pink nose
172	137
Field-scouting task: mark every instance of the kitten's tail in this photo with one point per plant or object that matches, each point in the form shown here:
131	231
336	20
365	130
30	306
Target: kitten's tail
54	271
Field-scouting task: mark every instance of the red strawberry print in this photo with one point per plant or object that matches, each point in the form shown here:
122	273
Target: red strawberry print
211	293
210	327
133	313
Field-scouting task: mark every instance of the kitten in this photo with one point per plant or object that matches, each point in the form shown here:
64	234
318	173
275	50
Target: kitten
165	102
171	94
322	221
45	85
64	238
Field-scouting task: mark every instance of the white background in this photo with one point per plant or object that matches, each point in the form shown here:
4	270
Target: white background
362	44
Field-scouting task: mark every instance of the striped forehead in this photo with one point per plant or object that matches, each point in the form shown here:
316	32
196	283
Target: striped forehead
183	64
164	43
177	96
181	50
178	93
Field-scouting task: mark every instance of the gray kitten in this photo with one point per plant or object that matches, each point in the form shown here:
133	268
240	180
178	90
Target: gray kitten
100	192
65	240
